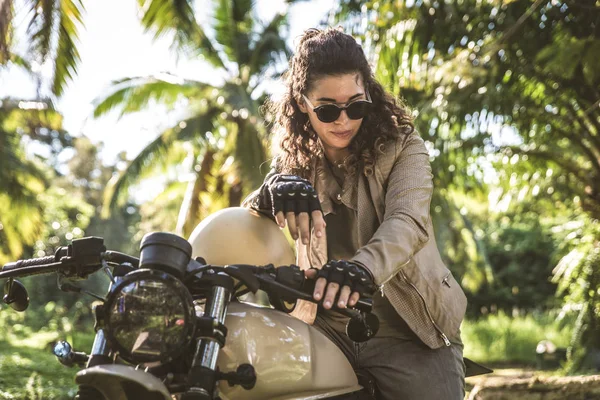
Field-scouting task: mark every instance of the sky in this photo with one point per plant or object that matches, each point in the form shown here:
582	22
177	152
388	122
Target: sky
113	46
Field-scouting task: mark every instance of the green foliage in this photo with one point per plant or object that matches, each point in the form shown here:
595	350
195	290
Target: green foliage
520	252
134	94
507	97
456	218
505	339
23	176
578	277
40	209
193	128
6	30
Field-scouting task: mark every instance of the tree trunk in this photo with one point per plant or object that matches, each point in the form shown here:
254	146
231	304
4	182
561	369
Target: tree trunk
235	195
192	209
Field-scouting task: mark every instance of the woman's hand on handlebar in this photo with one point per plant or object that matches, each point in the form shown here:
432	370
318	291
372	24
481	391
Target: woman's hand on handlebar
354	279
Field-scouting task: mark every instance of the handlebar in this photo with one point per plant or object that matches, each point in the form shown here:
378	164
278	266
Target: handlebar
28	263
288	282
87	255
30	270
34	266
81	258
307	290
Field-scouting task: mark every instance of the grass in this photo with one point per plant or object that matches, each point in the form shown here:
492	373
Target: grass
28	369
501	339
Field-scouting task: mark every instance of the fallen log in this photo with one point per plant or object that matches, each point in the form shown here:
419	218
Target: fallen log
538	388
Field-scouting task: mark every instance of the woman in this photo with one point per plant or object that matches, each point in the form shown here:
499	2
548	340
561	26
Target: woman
352	166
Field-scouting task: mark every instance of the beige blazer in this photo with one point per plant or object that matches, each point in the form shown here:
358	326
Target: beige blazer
397	242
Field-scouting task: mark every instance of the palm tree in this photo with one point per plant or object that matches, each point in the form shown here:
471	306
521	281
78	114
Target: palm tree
51	35
22	177
223	124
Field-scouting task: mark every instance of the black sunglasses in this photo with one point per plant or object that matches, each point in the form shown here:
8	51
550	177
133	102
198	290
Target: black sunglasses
331	112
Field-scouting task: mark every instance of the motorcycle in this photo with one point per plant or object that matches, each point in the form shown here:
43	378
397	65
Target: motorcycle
173	324
189	320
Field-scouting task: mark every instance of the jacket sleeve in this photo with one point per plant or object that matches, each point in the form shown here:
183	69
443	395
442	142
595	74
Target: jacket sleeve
403	231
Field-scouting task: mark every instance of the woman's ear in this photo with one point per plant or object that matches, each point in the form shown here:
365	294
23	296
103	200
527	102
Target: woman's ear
302	105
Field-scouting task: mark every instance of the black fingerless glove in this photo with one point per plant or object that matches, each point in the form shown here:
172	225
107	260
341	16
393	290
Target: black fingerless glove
348	273
288	193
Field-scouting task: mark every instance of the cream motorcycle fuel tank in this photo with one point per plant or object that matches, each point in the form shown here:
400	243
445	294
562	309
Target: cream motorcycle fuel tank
292	360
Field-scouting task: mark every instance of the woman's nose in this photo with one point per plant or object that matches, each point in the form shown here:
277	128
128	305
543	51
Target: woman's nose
343	118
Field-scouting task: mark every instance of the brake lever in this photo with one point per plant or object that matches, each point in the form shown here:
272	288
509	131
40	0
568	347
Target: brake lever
69	287
246	274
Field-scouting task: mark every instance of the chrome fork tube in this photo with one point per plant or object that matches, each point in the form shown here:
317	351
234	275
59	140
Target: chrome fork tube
203	375
100	353
207	349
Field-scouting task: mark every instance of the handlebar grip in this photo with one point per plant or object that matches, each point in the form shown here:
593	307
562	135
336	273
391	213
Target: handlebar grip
11	266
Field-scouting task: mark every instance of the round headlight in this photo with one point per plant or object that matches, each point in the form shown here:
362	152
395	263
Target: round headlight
149	317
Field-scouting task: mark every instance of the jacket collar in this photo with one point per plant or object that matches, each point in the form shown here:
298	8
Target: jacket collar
329	190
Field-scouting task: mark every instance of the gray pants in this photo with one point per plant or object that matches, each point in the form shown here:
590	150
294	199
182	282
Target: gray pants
403	368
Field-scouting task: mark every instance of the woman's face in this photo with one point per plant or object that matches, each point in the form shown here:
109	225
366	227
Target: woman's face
341	90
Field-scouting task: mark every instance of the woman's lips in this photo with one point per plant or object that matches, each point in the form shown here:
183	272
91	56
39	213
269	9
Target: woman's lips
343	134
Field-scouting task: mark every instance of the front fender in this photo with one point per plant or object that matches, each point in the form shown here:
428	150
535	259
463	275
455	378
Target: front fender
121	382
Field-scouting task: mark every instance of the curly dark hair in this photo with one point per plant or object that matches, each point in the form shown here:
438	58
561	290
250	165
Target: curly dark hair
323	53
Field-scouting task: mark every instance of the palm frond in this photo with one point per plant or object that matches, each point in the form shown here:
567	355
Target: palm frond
237	98
177	17
269	45
41	26
21	182
134	94
67	55
163	16
18	176
196	126
233	29
21	224
20	61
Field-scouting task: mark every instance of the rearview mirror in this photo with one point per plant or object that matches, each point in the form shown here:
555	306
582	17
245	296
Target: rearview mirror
15	295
